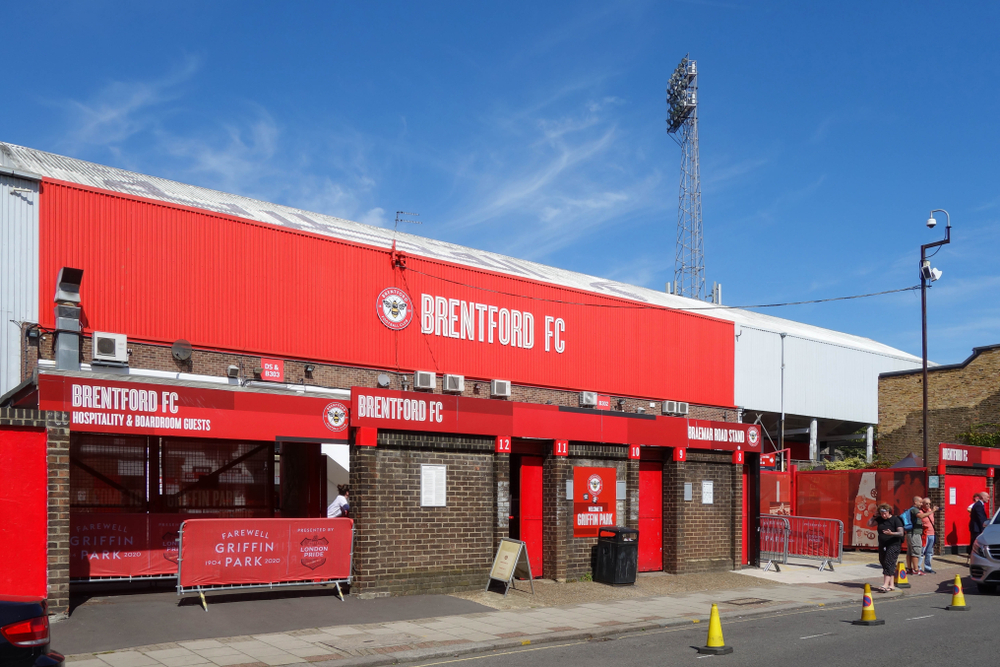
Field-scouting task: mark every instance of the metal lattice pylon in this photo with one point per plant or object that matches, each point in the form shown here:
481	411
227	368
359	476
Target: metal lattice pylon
689	259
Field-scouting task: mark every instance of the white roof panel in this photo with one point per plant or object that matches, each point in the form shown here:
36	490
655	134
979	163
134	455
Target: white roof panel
49	165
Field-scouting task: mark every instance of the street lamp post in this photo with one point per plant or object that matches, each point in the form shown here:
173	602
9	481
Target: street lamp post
929	274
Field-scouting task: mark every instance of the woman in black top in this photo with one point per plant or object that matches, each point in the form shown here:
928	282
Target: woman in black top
890	541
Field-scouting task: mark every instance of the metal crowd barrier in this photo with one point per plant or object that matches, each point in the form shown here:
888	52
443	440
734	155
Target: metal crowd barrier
774	531
801	537
816	539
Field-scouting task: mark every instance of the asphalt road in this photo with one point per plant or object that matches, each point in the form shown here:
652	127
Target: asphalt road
917	630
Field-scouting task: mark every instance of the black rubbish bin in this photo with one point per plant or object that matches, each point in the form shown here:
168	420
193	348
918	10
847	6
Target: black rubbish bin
617	559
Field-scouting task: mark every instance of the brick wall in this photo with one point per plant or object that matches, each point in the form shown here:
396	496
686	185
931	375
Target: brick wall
566	557
958	397
699	537
203	362
56	425
403	548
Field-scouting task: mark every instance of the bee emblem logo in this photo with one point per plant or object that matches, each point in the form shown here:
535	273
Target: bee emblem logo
335	416
394	308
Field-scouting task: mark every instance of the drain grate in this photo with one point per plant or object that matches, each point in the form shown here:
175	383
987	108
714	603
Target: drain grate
741	602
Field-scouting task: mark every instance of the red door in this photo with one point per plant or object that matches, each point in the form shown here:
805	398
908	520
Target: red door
957	498
650	516
24	518
531	510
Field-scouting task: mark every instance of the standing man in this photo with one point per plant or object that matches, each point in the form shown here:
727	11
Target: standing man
977	518
915	538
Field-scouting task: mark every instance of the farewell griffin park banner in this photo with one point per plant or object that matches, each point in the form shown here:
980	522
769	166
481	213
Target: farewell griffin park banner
215	551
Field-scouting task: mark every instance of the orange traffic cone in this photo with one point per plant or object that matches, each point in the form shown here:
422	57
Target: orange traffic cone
901	581
868	609
716	644
957	597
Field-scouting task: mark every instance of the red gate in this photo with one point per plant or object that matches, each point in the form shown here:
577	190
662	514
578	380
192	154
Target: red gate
650	516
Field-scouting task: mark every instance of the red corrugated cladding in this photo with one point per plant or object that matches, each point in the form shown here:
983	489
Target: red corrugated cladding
160	272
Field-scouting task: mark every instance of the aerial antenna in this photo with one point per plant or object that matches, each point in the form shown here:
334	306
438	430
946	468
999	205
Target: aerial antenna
399	220
682	120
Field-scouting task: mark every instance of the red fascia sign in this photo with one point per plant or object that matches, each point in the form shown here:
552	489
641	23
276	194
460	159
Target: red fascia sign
442	413
603	402
139	408
272	370
767	461
968	456
560	448
123	545
221	552
594	491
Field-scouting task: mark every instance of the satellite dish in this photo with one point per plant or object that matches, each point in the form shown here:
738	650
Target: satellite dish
383	380
181	350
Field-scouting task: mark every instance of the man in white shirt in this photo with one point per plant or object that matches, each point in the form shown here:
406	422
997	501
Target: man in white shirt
340	507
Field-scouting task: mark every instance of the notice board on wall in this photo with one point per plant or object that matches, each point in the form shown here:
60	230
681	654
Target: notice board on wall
593	500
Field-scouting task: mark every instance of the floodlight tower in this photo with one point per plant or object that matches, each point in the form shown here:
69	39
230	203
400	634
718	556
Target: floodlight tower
682	120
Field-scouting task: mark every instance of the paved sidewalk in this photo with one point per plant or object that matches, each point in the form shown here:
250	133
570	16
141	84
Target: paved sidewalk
399	641
411	640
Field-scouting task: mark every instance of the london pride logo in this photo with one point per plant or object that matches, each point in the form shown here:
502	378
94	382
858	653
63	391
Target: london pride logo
394	308
335	416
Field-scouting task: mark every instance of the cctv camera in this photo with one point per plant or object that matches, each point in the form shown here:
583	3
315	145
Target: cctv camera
931	222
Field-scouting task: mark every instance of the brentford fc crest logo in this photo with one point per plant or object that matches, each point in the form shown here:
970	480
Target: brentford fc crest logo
335	416
753	436
394	308
595	485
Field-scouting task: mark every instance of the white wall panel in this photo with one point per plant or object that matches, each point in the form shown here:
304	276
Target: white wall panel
822	380
18	271
757	375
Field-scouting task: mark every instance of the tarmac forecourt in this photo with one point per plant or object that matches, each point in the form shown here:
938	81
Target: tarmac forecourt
226	639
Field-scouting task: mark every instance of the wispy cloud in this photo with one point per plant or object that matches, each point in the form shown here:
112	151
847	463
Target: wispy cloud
122	109
552	176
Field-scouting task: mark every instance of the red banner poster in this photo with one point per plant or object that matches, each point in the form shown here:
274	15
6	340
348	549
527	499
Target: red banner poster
594	492
221	552
123	545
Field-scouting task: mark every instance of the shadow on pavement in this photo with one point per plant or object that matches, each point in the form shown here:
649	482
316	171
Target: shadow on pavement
108	620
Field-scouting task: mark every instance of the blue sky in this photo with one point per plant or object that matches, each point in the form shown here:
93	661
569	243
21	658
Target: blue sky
537	130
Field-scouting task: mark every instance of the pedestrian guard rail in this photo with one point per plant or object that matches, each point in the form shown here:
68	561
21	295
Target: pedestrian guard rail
806	537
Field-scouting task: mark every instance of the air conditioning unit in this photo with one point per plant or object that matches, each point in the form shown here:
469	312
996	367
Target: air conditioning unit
674	408
500	388
110	347
424	380
454	383
588	399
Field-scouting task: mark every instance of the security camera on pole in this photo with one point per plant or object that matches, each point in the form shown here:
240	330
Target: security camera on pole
931	275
